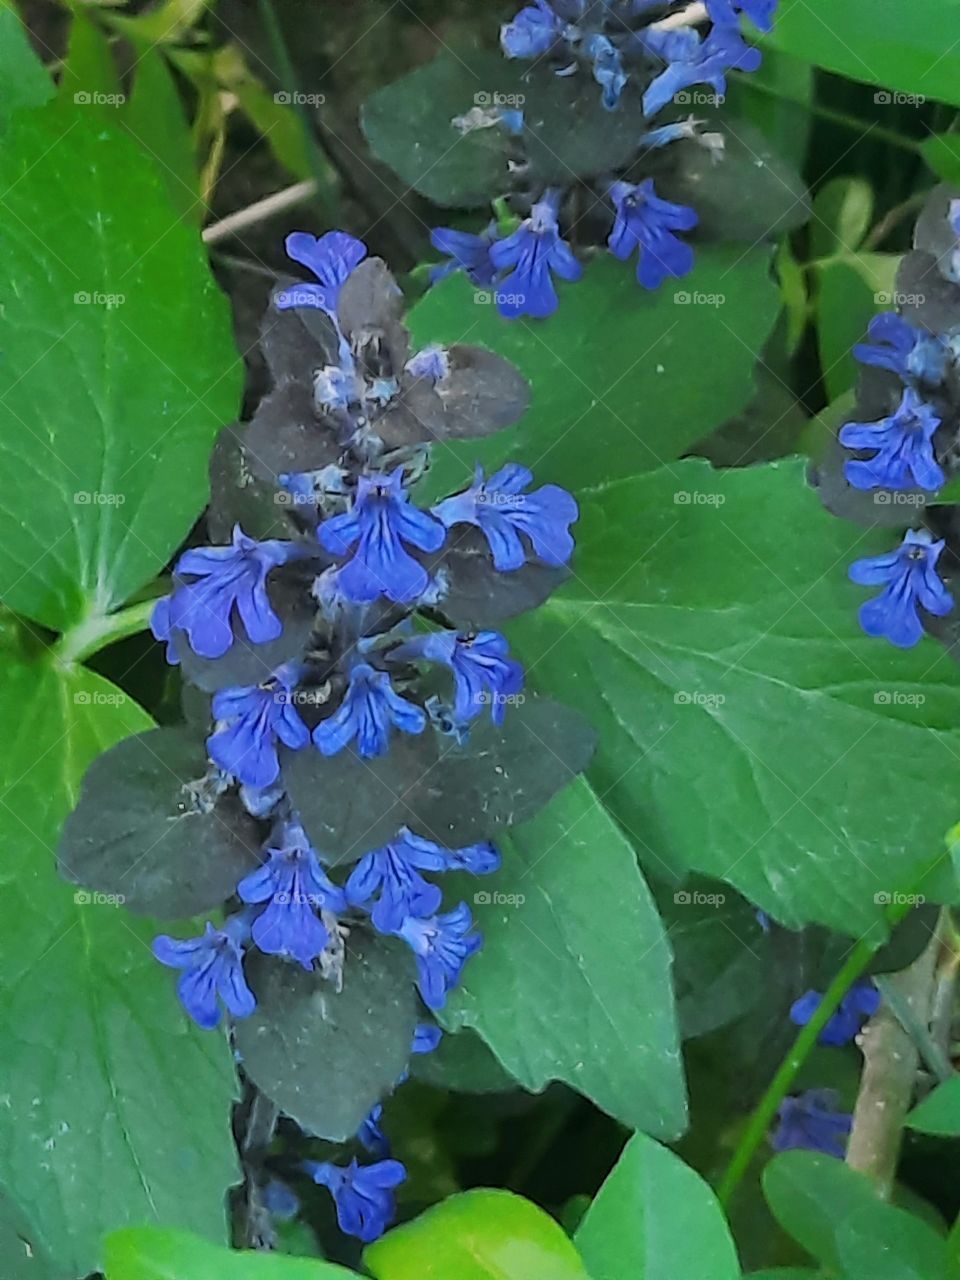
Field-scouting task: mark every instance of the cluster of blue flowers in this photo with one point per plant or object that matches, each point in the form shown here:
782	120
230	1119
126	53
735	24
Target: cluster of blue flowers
613	41
811	1120
898	455
373	556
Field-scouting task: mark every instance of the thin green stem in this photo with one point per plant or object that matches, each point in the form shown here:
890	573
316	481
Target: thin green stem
95	633
766	1110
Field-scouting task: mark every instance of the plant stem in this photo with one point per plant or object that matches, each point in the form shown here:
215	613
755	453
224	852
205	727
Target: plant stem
96	632
766	1110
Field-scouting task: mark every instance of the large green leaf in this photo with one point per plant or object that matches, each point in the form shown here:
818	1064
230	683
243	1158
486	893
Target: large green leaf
654	1219
748	729
613	1039
115	1108
118	366
24	81
625	379
149	1253
911	48
833	1211
23	1257
479	1235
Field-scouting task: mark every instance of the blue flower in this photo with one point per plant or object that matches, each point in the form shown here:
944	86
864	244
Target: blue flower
369	708
426	1038
691	61
380	521
645	222
442	946
213	965
534	251
226	578
466	252
483	673
432	363
363	1196
533	32
500	509
861	1002
250	719
909	578
760	12
331	258
607	69
903	442
810	1122
394	872
294	886
370	1135
912	354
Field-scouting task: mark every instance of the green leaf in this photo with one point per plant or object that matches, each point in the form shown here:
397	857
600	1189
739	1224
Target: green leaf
118	367
842	210
23	1257
833	1211
24	81
746	724
327	1056
89	79
408	125
456	793
478	1235
845	306
150	1253
939	1112
116	1109
141	819
154	116
942	154
883	42
614	1040
654	1219
617	390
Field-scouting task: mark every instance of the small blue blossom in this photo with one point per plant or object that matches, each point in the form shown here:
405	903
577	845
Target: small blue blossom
371	1136
512	120
394	873
535	252
533	32
280	1201
363	1195
466	252
912	354
483	673
226	579
607	69
294	887
760	12
250	719
691	61
426	1038
904	456
909	578
442	946
502	511
370	706
213	965
432	363
645	222
331	258
378	524
861	1002
810	1122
